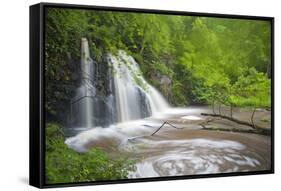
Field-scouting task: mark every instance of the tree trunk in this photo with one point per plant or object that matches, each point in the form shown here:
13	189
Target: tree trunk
268	70
143	41
252	118
220	109
213	107
142	48
231	109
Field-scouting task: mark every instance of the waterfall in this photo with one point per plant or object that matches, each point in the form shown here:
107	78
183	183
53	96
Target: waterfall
112	91
135	97
82	104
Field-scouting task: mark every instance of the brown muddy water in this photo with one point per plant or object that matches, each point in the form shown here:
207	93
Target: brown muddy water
187	151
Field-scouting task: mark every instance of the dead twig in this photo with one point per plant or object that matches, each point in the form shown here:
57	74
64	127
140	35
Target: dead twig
166	122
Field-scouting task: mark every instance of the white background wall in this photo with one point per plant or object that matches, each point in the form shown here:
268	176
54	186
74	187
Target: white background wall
14	87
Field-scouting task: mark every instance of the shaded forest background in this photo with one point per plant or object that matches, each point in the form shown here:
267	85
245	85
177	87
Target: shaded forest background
189	59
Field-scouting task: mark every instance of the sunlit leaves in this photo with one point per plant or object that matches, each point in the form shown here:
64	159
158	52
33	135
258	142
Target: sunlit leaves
252	89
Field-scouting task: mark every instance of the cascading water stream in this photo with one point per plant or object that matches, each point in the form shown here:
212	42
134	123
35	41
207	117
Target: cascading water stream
82	104
113	91
135	97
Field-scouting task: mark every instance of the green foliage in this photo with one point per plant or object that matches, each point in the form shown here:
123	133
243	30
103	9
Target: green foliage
162	68
204	57
64	165
220	58
252	89
179	98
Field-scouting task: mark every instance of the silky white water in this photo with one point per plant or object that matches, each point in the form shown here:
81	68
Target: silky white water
113	91
82	104
134	95
187	157
173	152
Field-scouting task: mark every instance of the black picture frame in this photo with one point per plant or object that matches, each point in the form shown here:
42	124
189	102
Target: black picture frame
37	99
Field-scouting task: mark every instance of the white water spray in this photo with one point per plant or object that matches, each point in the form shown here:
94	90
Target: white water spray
82	104
134	95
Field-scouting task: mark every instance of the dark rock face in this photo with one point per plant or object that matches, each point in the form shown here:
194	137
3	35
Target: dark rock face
165	84
98	93
112	91
144	103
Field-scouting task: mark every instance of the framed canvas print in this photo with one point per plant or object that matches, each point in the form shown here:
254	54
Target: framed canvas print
123	95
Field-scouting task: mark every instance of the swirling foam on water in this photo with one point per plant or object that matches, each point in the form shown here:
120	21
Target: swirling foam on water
118	133
156	156
194	156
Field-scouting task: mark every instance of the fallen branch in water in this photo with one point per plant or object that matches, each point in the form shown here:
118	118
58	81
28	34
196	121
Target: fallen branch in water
232	119
255	129
166	122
